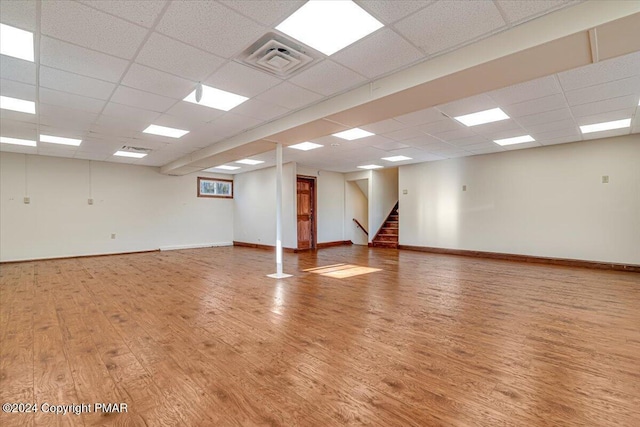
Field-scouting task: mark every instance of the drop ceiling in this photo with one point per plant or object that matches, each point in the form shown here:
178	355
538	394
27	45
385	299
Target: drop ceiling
105	70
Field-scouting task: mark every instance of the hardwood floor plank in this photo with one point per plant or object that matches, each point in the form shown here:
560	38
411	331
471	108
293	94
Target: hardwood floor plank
201	337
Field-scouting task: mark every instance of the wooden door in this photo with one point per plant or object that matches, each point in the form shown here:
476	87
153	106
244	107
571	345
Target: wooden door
306	213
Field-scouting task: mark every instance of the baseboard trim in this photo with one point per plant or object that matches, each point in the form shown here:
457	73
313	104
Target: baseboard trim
336	243
77	256
633	268
198	246
260	246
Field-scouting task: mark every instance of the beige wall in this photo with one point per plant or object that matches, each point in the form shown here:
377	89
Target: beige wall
547	201
145	209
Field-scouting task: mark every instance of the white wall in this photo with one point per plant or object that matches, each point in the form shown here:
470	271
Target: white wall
547	201
145	209
255	207
356	206
330	203
383	195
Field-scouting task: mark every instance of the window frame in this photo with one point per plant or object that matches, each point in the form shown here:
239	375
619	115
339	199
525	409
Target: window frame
216	196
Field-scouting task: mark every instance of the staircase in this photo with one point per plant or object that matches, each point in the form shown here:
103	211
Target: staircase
387	237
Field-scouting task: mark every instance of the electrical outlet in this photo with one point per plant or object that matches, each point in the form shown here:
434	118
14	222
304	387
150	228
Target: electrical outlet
464	188
113	235
27	200
405	192
90	201
605	179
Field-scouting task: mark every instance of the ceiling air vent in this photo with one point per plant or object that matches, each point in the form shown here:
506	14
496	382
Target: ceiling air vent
276	55
135	149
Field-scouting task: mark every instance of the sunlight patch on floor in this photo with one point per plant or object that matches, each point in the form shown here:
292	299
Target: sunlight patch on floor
342	271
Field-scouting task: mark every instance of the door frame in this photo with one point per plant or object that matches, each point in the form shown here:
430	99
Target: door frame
314	209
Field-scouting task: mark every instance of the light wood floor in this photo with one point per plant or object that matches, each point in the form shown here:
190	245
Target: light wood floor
203	338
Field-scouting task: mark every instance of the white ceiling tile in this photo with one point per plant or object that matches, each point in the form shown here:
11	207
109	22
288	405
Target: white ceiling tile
388	12
17	90
178	58
140	99
429	115
473	104
128	113
327	78
421	141
535	106
537	88
17	70
193	113
231	124
441	126
210	26
10	148
19	14
558	133
65	99
392	52
627	86
55	150
547	116
470	141
18	129
99	146
561	140
140	12
384	126
80	85
496	149
112	129
242	80
551	126
269	13
260	110
100	157
601	72
522	10
18	116
456	134
612	104
406	133
65	118
158	82
289	96
446	24
65	56
487	145
177	123
84	26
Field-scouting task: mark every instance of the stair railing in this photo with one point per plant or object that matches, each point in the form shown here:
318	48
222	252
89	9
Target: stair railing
361	227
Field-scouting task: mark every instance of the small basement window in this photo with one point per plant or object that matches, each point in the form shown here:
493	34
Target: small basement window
213	187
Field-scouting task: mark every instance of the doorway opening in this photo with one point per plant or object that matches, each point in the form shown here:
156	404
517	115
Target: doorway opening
306	211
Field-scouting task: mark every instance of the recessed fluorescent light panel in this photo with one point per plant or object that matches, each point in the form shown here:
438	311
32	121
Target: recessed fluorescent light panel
482	117
227	168
216	98
599	127
396	158
329	26
249	162
165	131
60	140
514	140
15	104
17	141
370	167
306	146
351	134
130	154
16	42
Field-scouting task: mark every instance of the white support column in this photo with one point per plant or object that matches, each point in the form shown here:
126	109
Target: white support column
279	274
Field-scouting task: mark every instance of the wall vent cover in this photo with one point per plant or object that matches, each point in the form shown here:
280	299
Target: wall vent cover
276	55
